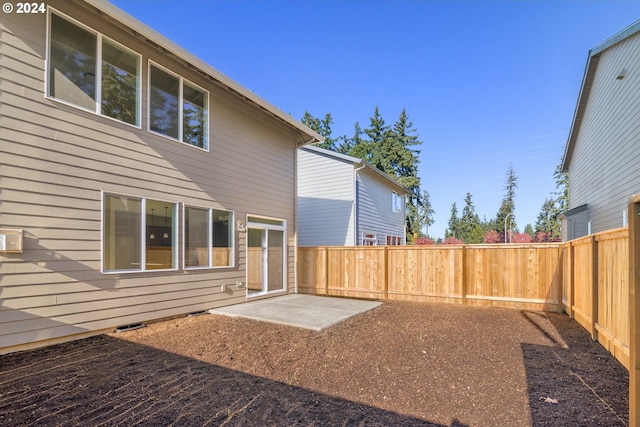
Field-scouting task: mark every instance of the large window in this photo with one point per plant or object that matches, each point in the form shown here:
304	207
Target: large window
90	71
177	108
139	234
208	238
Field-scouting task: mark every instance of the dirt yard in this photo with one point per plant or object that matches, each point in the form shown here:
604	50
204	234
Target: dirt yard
400	364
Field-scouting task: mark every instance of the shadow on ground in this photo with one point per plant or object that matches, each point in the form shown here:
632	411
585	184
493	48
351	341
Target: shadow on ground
107	381
568	380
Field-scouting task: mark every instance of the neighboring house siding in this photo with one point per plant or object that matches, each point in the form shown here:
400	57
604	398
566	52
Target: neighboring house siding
325	200
56	161
604	168
375	215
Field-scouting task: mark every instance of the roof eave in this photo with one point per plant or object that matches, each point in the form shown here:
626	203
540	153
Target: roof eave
585	90
587	82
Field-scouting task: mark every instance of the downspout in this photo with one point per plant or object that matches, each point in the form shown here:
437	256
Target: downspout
295	220
355	204
295	210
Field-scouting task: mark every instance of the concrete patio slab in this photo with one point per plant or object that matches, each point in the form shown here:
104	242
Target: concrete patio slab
303	311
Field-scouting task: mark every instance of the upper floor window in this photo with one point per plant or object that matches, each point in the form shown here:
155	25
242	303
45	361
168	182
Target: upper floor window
396	202
90	71
177	108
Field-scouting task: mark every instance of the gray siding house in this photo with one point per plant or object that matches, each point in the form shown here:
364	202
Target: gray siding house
602	155
136	181
344	201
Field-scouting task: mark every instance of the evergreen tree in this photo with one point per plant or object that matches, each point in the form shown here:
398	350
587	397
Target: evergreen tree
528	229
348	143
508	206
372	149
562	188
547	224
402	161
469	224
323	128
428	211
454	223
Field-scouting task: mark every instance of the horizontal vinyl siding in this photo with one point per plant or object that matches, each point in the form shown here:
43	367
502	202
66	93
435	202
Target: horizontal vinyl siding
325	200
374	208
605	167
55	161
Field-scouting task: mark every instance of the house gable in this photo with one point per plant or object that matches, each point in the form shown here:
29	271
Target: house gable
603	150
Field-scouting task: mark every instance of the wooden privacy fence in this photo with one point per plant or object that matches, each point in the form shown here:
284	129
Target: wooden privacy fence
586	277
596	288
517	276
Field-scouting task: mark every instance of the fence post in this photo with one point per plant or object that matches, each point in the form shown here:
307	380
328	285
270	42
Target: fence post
326	271
463	270
560	260
571	287
386	273
633	216
594	288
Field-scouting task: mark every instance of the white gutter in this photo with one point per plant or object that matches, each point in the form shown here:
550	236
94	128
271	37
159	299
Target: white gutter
355	203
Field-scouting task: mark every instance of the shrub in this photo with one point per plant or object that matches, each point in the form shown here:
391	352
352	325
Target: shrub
492	236
424	241
453	241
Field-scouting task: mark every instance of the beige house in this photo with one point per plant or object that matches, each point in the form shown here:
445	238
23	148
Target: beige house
136	181
603	151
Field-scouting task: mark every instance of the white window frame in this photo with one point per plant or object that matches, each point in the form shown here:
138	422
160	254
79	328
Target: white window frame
232	258
143	237
369	239
267	223
98	75
396	202
183	82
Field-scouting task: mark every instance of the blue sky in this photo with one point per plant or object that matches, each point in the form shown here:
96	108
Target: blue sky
485	83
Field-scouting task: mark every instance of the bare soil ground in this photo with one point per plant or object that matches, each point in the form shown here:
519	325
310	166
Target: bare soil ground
400	364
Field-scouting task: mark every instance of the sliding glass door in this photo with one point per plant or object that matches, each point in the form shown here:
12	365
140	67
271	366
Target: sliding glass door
266	256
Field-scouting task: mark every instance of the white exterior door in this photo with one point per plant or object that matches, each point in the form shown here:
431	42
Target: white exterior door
266	256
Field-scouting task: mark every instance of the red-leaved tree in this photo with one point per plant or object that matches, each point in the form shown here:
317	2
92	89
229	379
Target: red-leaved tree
453	241
492	236
521	238
424	241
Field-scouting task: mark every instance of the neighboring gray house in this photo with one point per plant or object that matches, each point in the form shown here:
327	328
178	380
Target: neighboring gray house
344	201
602	156
137	182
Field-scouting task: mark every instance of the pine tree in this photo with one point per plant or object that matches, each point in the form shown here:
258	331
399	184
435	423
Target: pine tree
348	143
454	223
371	150
507	207
470	229
528	229
402	160
547	225
562	188
427	211
323	128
